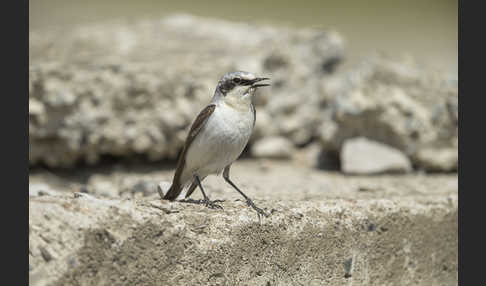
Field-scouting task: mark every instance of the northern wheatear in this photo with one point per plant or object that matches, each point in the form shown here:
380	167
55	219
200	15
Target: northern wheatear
218	136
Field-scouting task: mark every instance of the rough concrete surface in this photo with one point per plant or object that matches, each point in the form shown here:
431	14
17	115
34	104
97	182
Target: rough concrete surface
324	228
125	89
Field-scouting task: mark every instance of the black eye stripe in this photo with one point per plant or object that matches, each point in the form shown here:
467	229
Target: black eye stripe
240	81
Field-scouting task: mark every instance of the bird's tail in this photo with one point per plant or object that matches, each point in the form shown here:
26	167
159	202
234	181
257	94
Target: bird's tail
173	192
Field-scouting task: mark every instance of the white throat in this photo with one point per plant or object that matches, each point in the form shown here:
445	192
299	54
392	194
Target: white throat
239	98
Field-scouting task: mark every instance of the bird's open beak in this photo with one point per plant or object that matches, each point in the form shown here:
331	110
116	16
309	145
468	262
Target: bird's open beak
254	83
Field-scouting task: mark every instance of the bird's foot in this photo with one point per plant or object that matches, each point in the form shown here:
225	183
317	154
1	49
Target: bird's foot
259	211
212	204
206	201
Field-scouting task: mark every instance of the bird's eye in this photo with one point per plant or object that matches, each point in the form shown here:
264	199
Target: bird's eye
236	80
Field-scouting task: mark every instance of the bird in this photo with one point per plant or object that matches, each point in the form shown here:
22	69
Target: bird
217	137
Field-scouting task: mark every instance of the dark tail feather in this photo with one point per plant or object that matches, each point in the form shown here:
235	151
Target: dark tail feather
173	192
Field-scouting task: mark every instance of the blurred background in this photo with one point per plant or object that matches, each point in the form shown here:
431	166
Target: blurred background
425	29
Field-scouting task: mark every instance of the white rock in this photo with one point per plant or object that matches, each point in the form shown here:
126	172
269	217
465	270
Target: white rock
364	156
273	147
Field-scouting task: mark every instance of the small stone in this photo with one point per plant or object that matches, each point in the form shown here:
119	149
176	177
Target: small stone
145	188
35	107
444	160
348	265
364	156
45	254
78	195
72	262
273	147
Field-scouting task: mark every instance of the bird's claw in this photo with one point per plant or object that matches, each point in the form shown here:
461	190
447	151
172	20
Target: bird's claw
206	202
212	204
259	211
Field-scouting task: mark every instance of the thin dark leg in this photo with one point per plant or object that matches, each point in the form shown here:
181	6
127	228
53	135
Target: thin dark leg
191	189
249	202
206	201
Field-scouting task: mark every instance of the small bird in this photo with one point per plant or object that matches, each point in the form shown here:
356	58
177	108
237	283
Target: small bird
218	136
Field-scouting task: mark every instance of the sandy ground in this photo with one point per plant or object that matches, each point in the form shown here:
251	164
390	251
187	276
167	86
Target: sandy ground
260	179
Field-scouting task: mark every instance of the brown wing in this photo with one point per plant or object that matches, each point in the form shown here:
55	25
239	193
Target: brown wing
201	119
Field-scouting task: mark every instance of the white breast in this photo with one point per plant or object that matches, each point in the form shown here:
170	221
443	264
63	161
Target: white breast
219	142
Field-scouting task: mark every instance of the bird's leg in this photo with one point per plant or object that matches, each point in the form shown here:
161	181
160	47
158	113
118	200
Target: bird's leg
206	201
189	192
249	202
